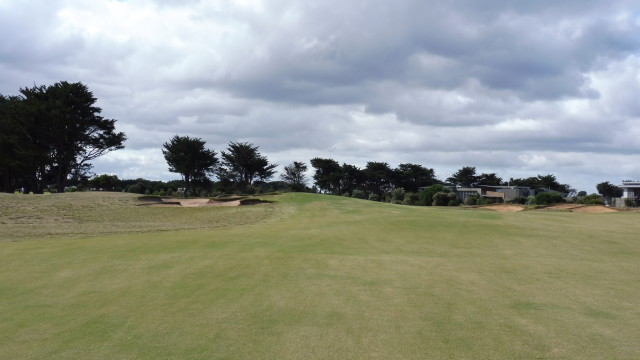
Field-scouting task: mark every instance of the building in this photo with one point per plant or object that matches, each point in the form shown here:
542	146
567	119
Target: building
500	194
630	189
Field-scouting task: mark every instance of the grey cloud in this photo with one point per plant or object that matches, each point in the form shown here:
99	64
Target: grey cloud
504	85
532	57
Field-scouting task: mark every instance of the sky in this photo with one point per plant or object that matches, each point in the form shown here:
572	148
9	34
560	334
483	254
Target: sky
515	87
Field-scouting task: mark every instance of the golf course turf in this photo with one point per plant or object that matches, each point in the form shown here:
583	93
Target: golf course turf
93	276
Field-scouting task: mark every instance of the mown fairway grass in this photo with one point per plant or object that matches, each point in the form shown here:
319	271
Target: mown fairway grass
314	277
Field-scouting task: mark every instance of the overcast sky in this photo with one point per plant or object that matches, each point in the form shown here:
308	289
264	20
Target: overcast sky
515	87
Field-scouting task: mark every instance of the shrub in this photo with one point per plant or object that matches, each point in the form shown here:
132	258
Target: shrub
358	194
630	203
519	200
485	201
137	188
374	197
453	200
547	198
593	199
411	199
472	200
426	195
397	195
440	199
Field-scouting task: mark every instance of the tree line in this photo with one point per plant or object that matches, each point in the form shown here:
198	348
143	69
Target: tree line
49	135
241	166
378	179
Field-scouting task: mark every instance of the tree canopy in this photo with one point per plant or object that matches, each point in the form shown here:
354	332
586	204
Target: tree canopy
465	177
378	178
50	133
328	175
242	164
542	182
189	157
609	191
411	177
294	175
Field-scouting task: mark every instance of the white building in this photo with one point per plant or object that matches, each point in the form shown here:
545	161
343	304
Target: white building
630	189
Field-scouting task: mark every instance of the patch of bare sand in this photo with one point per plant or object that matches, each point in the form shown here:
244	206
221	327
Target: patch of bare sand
565	206
594	209
195	203
504	207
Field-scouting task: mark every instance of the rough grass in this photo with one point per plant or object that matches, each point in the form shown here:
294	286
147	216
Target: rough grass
328	278
91	213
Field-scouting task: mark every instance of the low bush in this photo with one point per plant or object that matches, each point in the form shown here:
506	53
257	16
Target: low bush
471	200
395	196
519	200
411	199
593	199
358	194
547	198
426	195
441	199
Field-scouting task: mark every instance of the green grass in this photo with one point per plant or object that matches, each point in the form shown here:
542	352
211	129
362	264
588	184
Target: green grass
314	277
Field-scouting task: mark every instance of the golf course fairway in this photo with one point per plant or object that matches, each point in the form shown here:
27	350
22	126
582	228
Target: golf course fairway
93	276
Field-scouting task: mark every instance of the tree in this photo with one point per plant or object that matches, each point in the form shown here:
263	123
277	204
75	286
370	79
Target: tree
15	160
65	121
542	182
465	177
352	179
105	182
189	157
294	175
328	175
609	191
242	164
378	178
50	133
411	177
489	179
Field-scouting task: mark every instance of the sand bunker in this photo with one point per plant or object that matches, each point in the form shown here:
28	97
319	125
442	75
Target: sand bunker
565	206
208	202
157	201
579	208
594	209
504	207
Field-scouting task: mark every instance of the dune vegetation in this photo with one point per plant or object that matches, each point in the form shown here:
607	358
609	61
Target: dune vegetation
93	276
